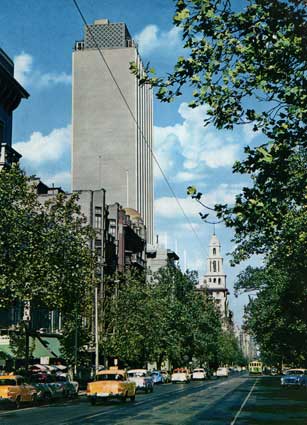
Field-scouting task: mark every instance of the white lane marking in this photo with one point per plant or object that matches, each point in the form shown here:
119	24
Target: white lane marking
243	404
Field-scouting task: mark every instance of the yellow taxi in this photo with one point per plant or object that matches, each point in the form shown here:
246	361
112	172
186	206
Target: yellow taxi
111	383
13	389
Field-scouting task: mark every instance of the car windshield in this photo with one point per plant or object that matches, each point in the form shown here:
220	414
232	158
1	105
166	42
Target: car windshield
295	372
61	378
109	377
136	374
198	370
7	382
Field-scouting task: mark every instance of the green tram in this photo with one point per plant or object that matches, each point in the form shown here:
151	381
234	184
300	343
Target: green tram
255	367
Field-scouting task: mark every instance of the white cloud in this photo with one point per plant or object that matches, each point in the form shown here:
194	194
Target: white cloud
62	179
45	148
167	207
53	78
190	147
27	76
151	38
187	226
22	67
249	133
186	176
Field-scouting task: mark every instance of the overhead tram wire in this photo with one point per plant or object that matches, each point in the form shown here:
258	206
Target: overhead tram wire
139	128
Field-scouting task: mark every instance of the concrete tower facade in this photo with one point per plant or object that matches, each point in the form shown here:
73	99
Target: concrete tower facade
214	281
110	148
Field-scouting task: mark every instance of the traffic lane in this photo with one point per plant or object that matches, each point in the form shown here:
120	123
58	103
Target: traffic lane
215	404
271	404
76	412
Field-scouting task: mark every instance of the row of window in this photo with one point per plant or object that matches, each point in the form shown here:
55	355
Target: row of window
214	280
214	266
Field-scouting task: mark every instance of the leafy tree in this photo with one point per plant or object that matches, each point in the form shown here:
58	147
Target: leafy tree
277	317
163	319
18	342
45	257
229	351
248	65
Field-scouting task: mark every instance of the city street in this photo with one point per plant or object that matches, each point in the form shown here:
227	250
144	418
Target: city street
238	400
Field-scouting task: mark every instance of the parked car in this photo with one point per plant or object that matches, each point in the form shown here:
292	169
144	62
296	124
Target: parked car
294	378
199	374
70	388
180	375
142	379
157	377
111	383
222	372
46	386
166	376
14	390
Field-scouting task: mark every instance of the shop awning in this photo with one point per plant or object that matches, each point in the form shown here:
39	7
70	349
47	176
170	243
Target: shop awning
52	344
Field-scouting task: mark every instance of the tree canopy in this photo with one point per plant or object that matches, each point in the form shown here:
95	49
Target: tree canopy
248	65
45	257
165	319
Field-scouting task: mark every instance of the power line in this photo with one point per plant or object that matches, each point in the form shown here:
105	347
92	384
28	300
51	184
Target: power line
139	128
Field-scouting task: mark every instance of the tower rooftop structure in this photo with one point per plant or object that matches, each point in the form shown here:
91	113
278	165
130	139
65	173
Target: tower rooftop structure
214	281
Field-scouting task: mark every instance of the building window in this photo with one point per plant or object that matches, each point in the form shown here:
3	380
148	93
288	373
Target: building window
219	280
112	227
214	266
209	279
98	248
98	218
205	281
214	251
218	266
214	280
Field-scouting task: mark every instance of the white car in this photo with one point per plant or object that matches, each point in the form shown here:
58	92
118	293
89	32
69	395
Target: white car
199	374
142	379
180	375
222	371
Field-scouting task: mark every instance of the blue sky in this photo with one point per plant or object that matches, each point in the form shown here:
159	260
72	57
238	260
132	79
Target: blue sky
39	36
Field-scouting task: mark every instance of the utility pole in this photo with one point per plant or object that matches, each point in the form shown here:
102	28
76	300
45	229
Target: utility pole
27	321
96	331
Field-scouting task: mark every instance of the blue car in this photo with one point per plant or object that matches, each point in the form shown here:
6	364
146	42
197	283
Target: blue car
294	378
157	377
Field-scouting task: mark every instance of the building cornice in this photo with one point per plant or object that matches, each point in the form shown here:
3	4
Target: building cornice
11	92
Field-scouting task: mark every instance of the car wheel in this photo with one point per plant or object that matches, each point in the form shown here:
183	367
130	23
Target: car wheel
151	389
47	397
132	398
17	403
34	399
146	390
124	397
93	401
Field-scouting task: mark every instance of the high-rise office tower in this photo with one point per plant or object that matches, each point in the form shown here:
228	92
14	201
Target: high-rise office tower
111	145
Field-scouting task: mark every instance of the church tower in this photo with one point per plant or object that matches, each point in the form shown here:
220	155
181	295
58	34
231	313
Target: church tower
214	281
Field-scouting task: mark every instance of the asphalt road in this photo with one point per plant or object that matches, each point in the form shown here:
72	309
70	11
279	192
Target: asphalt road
238	400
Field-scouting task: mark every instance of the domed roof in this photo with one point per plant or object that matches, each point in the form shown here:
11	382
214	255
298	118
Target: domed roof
132	213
